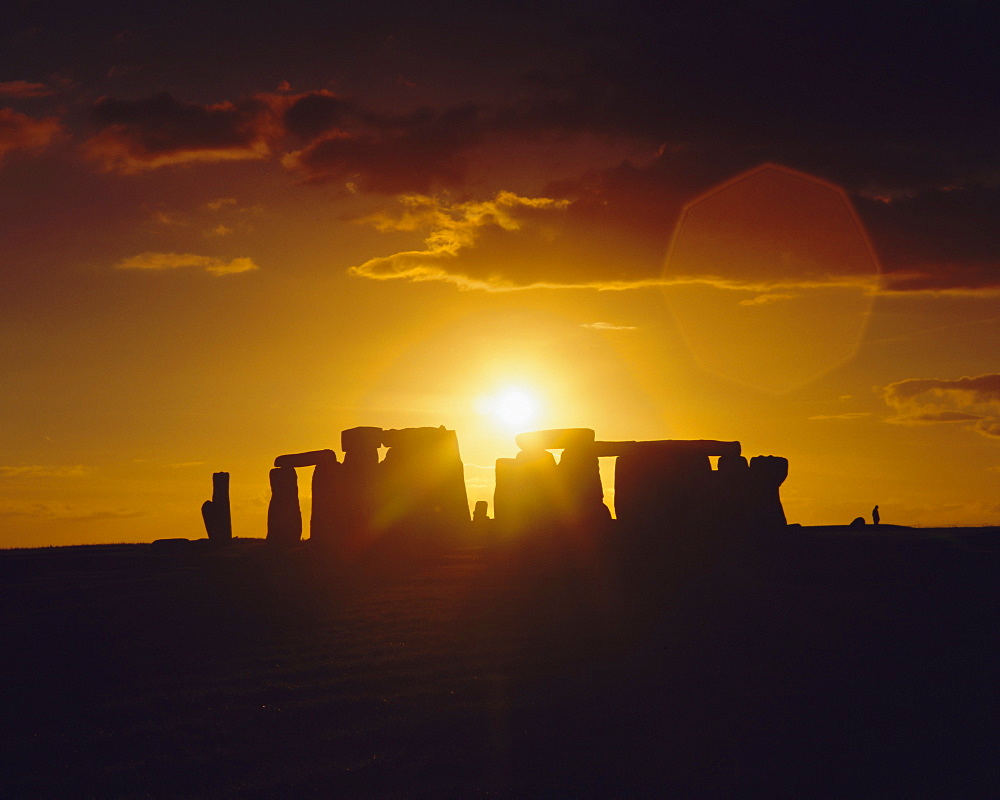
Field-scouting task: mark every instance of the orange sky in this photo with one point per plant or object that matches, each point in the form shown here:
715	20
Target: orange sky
728	224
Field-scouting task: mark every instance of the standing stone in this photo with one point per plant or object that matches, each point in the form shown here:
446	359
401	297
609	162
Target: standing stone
284	519
507	494
767	473
423	479
580	488
360	480
326	518
660	489
216	512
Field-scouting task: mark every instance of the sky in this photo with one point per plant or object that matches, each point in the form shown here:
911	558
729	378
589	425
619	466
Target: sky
230	232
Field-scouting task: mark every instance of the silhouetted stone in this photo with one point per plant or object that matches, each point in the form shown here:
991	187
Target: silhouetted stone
580	489
360	482
572	494
507	492
308	459
284	519
479	516
555	439
767	473
361	443
858	522
672	447
326	518
526	495
423	478
732	495
662	487
216	512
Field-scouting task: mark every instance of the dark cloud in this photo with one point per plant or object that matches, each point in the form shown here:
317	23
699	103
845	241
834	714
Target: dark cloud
139	135
894	104
938	240
978	389
314	113
973	400
420	151
21	132
22	89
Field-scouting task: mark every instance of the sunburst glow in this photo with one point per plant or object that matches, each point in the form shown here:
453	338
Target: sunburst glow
510	408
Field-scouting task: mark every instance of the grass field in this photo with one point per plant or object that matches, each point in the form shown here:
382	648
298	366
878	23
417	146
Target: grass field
831	663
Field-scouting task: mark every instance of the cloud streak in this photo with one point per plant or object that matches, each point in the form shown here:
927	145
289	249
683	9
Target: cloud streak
43	471
24	89
607	326
159	131
454	229
152	261
512	242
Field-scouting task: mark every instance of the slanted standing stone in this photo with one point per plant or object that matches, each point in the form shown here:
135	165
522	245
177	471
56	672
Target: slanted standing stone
216	512
284	518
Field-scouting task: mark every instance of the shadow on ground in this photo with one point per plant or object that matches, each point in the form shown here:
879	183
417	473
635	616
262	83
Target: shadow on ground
828	663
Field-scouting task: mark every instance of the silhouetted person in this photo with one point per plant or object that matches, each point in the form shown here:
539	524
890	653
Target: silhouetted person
875	516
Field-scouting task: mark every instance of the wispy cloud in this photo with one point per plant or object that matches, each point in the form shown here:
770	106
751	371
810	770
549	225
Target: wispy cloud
971	401
767	299
220	230
66	512
454	228
846	415
43	471
167	261
22	89
613	237
607	326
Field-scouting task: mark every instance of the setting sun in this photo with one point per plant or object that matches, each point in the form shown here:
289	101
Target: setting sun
510	408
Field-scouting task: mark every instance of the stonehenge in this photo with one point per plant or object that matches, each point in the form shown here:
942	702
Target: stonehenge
662	488
419	482
665	484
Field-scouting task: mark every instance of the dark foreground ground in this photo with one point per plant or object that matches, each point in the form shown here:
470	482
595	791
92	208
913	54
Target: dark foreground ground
829	663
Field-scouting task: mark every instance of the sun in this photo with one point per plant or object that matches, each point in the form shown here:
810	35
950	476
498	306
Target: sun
511	408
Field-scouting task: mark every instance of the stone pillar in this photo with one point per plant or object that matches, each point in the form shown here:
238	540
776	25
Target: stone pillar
423	478
284	519
660	489
216	512
360	479
326	519
767	473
